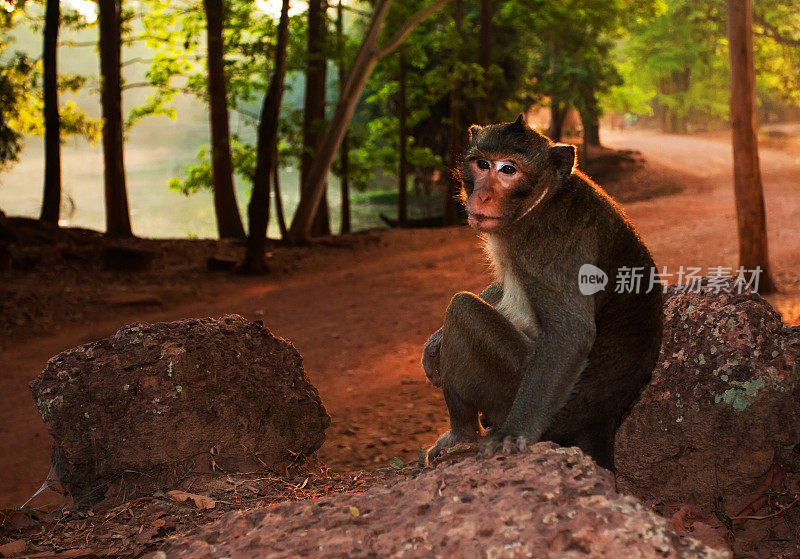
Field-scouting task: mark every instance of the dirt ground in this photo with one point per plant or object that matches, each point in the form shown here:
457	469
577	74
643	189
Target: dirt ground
359	310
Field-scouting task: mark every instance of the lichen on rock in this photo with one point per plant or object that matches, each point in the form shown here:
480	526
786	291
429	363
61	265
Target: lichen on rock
721	401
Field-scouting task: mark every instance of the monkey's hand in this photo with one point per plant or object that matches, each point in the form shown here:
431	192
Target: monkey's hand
430	358
507	444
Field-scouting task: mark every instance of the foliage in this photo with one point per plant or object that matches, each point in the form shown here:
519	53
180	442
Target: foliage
21	102
677	60
777	48
177	32
16	77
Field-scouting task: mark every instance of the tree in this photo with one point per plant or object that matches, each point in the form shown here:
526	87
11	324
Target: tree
118	222
229	223
455	134
51	200
402	172
10	89
344	150
369	53
485	60
749	192
314	106
258	208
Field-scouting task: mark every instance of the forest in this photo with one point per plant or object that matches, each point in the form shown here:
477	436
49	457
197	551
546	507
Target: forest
297	170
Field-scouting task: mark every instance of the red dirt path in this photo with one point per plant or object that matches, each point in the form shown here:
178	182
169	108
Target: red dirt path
359	317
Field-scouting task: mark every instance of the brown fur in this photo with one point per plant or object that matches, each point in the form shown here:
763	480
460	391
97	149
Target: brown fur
544	361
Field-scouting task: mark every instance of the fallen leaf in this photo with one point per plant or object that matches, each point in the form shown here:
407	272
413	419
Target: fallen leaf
12	548
680	521
353	510
200	501
145	536
396	463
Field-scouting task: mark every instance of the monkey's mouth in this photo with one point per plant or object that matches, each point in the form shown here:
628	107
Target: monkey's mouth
482	221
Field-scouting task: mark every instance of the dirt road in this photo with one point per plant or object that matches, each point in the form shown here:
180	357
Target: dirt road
360	319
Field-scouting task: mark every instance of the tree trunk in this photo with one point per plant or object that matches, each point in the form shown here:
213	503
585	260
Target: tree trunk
266	158
7	233
590	119
558	112
591	131
314	111
229	222
456	130
368	55
118	221
402	185
51	201
344	150
276	183
485	60
750	212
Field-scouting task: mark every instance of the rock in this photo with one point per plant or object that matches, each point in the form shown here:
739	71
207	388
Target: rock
140	409
548	502
723	397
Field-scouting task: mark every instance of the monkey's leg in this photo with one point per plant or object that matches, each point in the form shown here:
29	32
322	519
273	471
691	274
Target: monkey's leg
481	357
558	356
431	352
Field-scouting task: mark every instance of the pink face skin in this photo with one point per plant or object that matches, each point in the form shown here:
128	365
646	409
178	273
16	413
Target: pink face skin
494	179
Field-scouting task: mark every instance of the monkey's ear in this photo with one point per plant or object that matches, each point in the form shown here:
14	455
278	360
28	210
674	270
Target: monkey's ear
473	131
563	158
520	123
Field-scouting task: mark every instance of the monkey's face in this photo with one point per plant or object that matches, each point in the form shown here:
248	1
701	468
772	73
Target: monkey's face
495	181
508	170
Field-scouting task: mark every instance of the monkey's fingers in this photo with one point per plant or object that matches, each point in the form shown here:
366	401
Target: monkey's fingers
491	446
430	365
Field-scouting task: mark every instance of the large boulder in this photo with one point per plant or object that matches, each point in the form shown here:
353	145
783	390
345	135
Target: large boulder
723	400
547	502
144	407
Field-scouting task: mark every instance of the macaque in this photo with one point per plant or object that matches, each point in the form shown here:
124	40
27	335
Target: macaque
533	358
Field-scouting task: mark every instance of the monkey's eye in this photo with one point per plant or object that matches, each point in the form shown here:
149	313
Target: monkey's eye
483	164
508	169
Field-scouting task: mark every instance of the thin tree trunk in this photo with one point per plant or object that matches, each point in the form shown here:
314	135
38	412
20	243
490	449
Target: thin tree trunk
7	233
749	192
118	222
402	175
314	111
266	153
368	54
558	113
456	130
229	222
485	60
51	201
276	184
590	119
344	150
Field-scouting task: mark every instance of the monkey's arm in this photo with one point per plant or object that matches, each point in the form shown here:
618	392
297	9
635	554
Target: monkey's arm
558	356
430	354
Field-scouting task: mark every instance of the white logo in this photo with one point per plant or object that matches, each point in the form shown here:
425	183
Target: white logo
591	279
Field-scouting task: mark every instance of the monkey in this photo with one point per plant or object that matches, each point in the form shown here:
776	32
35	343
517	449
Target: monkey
532	357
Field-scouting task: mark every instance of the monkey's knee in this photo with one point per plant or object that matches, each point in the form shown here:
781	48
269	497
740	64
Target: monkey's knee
462	305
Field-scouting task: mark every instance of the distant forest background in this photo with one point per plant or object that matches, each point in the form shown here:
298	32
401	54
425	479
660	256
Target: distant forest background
193	79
